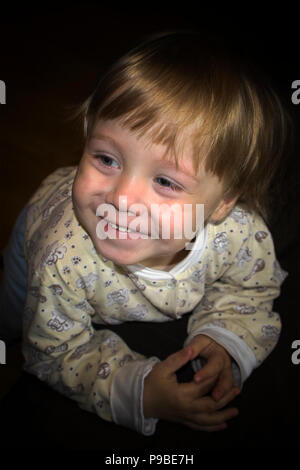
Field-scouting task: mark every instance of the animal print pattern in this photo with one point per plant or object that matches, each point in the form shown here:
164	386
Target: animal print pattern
232	287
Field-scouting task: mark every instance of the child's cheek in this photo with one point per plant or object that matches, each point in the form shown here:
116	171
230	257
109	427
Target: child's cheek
81	188
174	220
85	183
185	221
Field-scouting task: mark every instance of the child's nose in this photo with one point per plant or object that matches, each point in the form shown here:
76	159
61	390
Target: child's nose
126	192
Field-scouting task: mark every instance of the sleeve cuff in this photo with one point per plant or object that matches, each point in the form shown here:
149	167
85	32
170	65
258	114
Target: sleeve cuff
127	396
235	346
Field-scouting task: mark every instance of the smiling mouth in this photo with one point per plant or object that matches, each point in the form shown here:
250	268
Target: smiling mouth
121	229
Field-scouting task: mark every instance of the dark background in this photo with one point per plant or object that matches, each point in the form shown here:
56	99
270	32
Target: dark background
51	58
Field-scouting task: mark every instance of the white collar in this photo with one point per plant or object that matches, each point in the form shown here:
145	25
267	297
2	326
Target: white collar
193	257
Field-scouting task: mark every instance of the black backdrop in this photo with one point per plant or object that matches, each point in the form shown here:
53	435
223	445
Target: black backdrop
51	58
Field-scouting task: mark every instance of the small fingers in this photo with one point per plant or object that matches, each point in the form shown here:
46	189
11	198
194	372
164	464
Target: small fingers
228	397
195	391
219	417
199	427
203	413
206	404
214	367
176	360
211	369
221	369
209	406
212	421
224	384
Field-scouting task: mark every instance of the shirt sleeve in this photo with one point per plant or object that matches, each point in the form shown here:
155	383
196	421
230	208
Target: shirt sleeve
95	368
237	308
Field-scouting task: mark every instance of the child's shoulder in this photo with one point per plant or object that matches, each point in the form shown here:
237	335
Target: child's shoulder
58	178
240	225
53	188
50	220
243	220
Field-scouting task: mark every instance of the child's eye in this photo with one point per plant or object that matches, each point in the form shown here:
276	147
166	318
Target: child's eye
106	160
168	184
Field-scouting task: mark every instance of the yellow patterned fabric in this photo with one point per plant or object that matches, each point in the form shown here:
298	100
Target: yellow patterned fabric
229	289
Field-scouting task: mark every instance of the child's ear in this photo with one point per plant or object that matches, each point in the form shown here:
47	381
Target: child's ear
223	209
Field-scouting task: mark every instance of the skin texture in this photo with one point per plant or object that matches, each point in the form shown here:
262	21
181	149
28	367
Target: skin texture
186	403
117	164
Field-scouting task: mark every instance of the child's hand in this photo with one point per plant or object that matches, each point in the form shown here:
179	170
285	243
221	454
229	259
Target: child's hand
218	365
185	403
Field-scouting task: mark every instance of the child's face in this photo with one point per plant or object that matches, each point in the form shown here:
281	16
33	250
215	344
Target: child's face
118	169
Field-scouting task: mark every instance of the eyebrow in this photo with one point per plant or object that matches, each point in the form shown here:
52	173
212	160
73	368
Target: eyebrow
169	163
109	139
172	164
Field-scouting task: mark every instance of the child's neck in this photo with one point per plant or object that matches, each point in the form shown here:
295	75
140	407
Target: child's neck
154	264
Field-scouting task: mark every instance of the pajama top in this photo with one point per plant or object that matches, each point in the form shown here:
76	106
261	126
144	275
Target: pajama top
228	282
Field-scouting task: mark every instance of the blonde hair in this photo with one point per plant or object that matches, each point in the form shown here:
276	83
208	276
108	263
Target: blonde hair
179	84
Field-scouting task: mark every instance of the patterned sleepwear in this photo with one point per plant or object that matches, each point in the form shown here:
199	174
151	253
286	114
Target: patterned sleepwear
228	283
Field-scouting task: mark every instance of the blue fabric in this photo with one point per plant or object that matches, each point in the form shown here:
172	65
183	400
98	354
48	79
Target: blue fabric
14	284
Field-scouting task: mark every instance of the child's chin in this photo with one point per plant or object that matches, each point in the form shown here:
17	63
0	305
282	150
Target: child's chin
117	257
